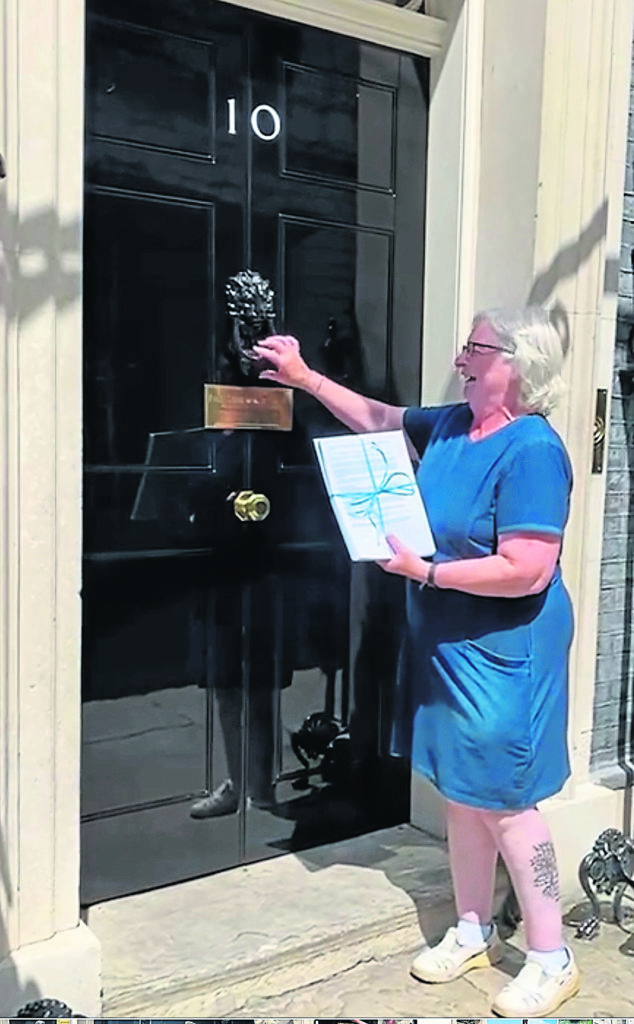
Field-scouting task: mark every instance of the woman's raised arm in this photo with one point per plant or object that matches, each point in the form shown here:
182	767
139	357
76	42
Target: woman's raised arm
356	411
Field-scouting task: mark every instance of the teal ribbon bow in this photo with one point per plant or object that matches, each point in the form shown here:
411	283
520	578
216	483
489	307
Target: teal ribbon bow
367	504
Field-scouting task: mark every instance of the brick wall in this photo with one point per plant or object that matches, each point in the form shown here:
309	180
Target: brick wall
613	725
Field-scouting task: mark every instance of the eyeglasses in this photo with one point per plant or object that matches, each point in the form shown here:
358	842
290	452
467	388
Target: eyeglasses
472	348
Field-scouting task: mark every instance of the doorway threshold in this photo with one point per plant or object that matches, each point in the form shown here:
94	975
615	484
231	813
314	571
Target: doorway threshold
202	948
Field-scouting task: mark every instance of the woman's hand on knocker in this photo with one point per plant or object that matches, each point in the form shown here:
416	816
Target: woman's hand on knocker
287	366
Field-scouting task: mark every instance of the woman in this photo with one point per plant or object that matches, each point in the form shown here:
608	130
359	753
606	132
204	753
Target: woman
489	630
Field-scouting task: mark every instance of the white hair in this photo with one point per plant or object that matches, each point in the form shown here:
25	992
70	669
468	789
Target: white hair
538	342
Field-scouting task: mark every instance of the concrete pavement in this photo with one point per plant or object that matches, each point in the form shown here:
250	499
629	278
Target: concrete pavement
382	987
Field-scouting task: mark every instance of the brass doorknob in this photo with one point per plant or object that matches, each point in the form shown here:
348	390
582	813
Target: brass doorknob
250	507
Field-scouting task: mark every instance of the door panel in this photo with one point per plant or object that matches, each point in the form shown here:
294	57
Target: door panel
137	72
146	637
216	652
336	288
148	329
324	115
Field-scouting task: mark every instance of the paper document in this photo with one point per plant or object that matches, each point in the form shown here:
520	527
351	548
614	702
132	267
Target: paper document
373	492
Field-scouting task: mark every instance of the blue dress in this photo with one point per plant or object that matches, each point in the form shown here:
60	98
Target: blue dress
483	681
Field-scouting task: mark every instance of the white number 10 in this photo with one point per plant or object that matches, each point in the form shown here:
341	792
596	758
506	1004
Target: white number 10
267	136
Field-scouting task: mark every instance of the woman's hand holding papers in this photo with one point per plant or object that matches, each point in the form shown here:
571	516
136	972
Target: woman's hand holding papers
404	561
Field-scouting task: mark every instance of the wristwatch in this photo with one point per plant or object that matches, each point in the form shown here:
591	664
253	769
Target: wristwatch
429	582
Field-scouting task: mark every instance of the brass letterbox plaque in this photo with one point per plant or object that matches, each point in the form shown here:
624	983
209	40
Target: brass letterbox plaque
236	408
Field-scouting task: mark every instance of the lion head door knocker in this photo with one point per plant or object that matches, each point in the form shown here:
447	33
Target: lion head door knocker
241	405
251	308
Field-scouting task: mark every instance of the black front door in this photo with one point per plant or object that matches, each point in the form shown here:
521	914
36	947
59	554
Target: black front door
219	141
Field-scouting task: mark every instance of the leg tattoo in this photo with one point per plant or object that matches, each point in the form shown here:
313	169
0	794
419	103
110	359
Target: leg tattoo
545	874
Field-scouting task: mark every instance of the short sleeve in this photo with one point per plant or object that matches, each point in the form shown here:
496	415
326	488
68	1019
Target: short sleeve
419	423
533	492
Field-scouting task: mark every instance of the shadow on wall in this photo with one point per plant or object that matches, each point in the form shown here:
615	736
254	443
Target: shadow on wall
566	263
40	259
570	258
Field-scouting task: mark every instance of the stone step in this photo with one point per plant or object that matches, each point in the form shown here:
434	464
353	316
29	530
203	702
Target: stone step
203	947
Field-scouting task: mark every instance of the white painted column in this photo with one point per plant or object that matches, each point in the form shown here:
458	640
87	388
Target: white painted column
44	949
582	170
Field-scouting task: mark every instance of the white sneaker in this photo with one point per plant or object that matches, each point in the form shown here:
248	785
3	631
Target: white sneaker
448	959
534	993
